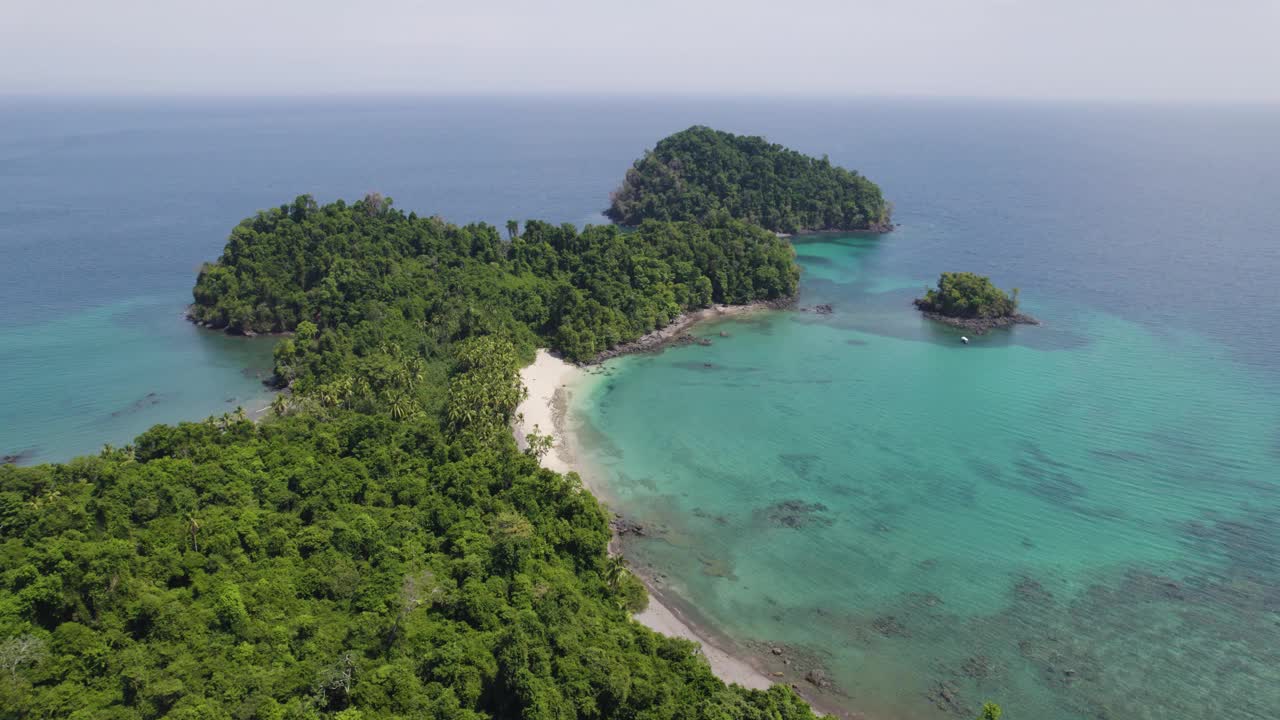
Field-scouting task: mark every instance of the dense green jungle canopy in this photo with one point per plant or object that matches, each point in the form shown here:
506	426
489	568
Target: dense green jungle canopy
966	295
701	174
378	547
369	268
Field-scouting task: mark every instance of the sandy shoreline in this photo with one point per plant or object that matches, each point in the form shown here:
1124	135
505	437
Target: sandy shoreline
550	381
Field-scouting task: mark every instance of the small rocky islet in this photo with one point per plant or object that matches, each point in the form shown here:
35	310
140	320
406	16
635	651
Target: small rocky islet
972	302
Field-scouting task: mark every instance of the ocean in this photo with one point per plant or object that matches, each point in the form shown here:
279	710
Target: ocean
1076	520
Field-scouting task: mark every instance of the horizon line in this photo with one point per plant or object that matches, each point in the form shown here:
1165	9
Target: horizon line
638	96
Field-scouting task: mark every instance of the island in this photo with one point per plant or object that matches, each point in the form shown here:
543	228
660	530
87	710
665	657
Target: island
576	291
701	173
972	302
377	545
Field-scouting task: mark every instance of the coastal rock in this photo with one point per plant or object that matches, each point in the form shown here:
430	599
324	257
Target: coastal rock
796	514
17	457
151	398
982	326
946	697
622	527
676	332
1030	590
978	667
817	678
821	309
718	519
888	626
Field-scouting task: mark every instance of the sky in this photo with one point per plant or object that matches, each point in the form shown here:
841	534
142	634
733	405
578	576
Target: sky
1159	50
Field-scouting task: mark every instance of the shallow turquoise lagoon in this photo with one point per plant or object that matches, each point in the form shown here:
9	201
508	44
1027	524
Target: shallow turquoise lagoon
106	374
1078	520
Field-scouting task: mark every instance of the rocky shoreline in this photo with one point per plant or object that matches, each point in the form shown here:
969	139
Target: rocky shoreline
981	326
872	229
18	458
677	331
225	329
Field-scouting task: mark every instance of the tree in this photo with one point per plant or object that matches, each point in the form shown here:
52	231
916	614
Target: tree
19	651
229	608
513	229
280	405
352	285
333	688
193	529
419	589
990	711
966	295
538	445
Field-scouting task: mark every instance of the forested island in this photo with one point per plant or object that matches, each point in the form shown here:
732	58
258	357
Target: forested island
378	547
701	174
972	302
426	283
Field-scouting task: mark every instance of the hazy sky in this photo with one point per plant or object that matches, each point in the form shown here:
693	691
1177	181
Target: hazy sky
1146	49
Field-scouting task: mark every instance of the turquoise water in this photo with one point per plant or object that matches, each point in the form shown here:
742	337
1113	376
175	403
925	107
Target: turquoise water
1078	520
1161	215
106	374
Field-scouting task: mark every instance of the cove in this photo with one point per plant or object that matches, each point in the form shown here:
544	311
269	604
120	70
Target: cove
1076	520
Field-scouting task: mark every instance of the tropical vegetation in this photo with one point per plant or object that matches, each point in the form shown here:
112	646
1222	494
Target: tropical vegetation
377	547
329	565
966	295
363	268
702	174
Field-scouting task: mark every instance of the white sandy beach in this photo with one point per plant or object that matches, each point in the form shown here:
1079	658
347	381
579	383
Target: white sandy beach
550	381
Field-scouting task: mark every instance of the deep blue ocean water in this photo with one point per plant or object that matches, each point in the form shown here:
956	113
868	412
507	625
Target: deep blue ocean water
1097	495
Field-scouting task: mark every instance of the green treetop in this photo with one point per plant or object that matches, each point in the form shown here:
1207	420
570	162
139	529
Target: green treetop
966	295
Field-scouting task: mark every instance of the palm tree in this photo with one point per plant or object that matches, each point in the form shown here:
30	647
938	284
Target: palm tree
401	407
614	571
279	405
360	390
416	370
